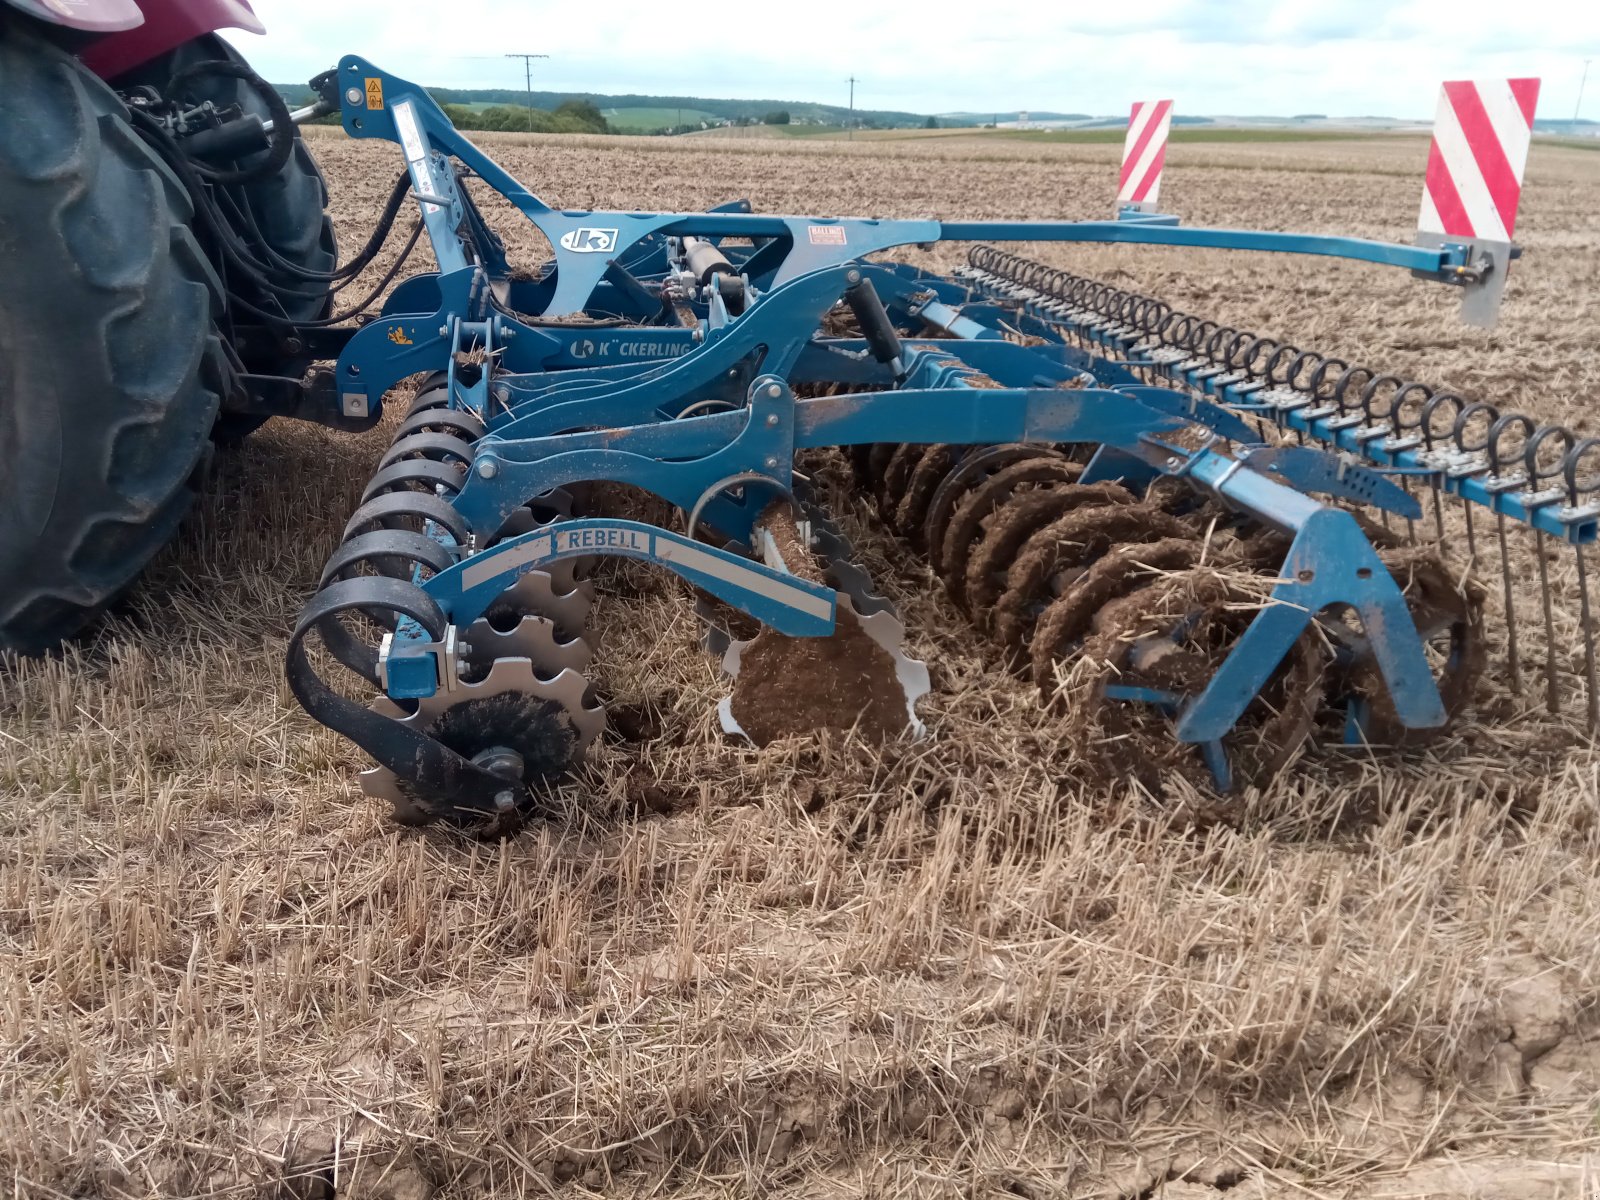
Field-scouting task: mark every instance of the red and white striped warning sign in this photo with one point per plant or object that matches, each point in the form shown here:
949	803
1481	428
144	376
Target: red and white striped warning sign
1144	152
1480	147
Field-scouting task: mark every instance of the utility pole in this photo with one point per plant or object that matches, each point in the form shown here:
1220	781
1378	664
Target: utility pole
527	69
1578	107
853	82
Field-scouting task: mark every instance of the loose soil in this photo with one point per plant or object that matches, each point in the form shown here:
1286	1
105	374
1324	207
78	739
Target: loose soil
843	683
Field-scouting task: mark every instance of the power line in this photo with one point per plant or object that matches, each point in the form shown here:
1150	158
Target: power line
1578	107
527	67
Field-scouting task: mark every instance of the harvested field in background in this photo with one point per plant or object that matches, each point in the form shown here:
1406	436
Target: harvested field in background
943	969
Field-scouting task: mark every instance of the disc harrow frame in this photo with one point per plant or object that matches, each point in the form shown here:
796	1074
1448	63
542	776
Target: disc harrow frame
693	355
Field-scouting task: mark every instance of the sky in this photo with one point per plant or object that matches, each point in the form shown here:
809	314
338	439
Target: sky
1212	57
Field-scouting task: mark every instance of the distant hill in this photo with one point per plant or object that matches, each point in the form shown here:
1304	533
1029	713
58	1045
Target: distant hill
629	112
640	113
1003	116
1579	128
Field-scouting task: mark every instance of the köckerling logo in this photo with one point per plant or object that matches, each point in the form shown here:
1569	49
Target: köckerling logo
589	241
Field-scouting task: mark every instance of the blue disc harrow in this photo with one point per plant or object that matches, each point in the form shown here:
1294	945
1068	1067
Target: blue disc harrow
1201	545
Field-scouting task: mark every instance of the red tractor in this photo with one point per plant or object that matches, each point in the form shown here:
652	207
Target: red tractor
163	242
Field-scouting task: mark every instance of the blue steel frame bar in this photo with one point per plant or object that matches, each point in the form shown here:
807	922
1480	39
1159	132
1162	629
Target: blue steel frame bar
380	105
1470	480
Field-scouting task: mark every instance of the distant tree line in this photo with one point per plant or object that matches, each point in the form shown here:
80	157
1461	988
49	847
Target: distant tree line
555	112
571	116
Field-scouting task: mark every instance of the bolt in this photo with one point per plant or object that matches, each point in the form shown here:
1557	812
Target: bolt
488	468
355	95
444	331
853	277
772	464
772	420
1174	463
775	390
505	801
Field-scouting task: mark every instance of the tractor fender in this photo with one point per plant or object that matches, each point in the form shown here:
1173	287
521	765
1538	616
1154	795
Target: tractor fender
167	25
91	16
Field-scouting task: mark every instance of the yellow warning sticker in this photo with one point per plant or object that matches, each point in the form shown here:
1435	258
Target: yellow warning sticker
398	336
374	94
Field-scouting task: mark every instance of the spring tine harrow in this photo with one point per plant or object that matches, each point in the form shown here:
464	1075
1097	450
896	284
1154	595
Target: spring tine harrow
1200	545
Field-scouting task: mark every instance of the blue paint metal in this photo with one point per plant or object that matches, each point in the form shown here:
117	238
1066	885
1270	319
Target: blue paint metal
586	242
785	602
1543	511
682	411
1330	563
1415	258
793	606
682	460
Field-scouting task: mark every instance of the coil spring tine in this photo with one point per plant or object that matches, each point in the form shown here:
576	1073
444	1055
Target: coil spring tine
1586	627
1405	417
1371	414
1498	430
1552	688
1579	485
1540	466
1458	434
1434	404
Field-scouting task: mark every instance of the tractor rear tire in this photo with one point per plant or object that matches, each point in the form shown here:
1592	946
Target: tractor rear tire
289	208
110	363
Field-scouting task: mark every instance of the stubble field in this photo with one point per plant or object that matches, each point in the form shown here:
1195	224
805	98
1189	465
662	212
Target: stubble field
948	968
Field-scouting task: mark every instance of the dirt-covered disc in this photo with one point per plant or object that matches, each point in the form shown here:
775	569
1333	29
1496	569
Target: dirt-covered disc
789	686
930	470
986	501
877	466
1055	555
1171	635
537	728
1063	625
896	476
1018	520
976	465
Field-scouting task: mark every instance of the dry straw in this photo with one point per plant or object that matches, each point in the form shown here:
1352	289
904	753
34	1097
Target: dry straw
952	968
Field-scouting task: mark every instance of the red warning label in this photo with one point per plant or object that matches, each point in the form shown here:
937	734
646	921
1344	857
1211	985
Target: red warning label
827	235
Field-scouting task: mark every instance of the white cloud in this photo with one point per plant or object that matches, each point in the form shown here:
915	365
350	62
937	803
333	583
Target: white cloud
1212	56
